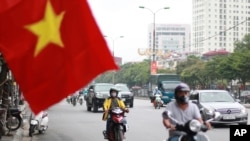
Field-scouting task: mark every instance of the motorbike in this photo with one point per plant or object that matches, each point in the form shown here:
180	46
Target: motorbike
158	102
192	128
39	123
68	99
118	125
14	119
73	100
80	99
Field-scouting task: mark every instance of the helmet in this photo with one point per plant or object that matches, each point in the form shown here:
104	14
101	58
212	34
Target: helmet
181	87
181	99
113	89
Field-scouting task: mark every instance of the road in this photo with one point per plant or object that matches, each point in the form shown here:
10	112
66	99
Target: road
68	123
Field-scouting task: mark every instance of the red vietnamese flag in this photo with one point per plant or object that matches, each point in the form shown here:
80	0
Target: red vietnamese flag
53	47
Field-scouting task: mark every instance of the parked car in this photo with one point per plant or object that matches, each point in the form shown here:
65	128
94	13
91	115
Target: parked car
245	96
125	94
96	95
221	101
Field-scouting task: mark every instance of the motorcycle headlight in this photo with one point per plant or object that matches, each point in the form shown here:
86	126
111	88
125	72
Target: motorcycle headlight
194	125
33	122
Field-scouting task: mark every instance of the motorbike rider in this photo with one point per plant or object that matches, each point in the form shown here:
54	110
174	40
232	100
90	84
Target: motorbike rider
109	103
156	91
183	110
75	96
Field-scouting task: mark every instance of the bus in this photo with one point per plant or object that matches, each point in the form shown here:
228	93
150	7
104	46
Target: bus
166	83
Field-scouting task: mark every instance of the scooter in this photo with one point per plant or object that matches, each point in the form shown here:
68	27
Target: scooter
74	100
192	127
68	99
80	99
158	103
39	123
118	125
14	119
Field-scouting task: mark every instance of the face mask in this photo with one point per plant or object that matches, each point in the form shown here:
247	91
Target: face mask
182	99
113	94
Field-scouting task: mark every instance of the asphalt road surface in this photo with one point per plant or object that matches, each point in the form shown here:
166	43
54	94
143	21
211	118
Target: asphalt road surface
69	123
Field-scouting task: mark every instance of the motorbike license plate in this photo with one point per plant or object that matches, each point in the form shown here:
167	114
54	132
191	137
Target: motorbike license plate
228	117
123	99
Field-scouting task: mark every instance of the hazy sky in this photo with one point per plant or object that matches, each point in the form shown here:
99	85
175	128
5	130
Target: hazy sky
124	18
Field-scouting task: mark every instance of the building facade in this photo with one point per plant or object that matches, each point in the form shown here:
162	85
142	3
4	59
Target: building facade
170	39
217	24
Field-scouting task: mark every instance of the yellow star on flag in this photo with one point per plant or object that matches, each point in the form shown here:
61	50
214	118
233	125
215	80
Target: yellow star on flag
47	29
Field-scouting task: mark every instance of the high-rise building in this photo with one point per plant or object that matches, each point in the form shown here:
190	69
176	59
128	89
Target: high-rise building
169	38
217	24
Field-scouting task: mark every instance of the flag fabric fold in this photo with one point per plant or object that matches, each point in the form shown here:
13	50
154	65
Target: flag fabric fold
53	48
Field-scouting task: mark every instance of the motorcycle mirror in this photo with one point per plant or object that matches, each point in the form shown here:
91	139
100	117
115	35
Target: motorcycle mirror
166	114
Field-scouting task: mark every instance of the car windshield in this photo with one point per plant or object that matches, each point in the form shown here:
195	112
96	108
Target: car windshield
105	87
169	85
215	97
122	88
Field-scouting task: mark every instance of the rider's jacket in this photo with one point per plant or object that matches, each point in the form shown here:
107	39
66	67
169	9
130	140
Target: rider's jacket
107	103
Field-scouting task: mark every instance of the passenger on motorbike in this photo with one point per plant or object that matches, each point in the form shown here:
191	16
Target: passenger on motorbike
183	110
109	103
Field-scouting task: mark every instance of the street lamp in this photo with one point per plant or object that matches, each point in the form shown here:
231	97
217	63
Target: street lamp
153	26
113	50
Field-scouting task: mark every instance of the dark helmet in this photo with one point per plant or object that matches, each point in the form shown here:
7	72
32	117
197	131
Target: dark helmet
114	89
181	99
181	87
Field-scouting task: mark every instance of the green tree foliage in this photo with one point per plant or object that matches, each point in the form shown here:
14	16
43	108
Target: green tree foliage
136	73
193	70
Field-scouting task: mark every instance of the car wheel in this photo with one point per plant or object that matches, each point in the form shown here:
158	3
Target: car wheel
131	105
95	107
88	107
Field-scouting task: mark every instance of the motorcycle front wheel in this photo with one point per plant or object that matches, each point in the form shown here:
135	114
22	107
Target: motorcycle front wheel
31	130
198	137
118	134
13	122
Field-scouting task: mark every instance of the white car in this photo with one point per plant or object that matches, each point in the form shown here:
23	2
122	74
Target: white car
221	101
